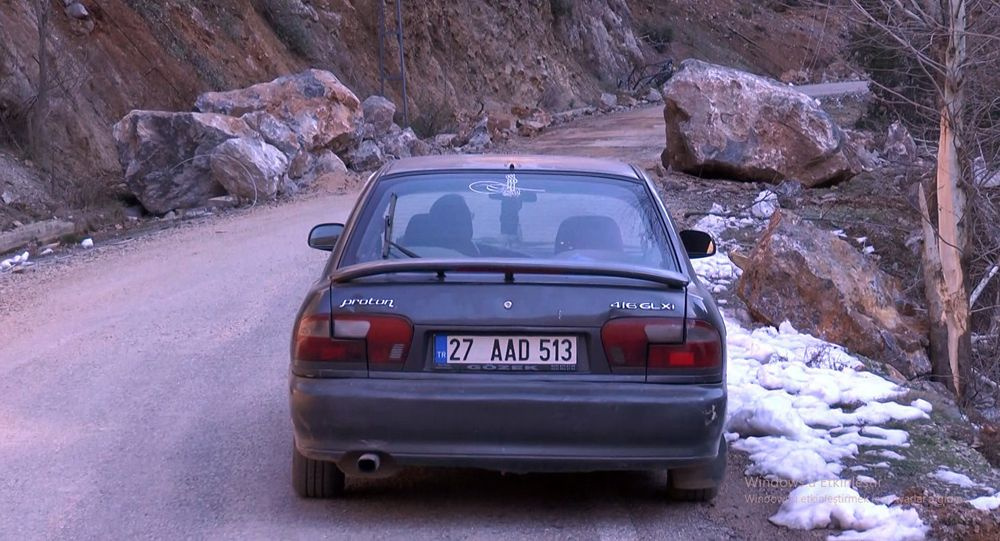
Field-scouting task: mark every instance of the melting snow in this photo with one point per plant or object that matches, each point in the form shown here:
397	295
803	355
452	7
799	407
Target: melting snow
834	504
17	260
954	478
800	407
765	205
986	503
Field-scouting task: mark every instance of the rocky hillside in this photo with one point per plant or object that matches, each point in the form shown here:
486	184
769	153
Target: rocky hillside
111	56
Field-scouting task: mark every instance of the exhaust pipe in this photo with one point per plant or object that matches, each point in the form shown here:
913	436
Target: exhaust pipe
368	463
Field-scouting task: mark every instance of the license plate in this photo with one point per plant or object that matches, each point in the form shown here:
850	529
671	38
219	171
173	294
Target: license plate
554	351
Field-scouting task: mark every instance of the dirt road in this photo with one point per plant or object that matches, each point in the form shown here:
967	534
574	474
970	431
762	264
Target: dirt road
143	395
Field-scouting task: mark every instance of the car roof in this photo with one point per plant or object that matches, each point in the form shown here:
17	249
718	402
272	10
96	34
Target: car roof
521	162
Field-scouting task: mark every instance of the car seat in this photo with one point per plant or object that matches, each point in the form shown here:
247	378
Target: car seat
447	225
589	233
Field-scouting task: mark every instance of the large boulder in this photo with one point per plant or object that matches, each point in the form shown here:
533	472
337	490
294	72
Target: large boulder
166	156
824	286
727	123
314	105
248	168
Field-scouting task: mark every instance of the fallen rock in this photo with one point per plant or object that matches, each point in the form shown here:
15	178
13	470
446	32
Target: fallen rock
654	96
379	112
366	156
314	105
77	10
166	156
789	192
275	132
825	287
899	144
499	124
477	137
445	140
533	122
608	101
299	165
248	168
421	148
41	232
722	122
327	162
398	145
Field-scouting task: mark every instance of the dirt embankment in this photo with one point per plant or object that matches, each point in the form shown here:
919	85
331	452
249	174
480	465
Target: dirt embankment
145	54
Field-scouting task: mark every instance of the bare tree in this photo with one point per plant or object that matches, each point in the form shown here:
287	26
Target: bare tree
931	39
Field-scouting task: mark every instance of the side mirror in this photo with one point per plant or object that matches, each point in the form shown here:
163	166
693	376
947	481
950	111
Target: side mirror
698	244
324	236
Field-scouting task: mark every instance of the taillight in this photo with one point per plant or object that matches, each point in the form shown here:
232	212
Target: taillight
378	339
661	345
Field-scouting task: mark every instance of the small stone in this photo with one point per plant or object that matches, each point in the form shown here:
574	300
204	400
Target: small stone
77	10
87	243
654	96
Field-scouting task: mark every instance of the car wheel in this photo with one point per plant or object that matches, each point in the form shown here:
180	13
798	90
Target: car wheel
315	478
698	484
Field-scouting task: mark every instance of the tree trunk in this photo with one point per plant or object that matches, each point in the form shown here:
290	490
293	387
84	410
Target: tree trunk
951	201
933	278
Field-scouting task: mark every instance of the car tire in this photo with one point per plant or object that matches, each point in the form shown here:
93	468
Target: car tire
714	472
315	478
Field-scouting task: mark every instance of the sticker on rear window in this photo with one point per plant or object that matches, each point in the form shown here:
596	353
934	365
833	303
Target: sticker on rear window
506	189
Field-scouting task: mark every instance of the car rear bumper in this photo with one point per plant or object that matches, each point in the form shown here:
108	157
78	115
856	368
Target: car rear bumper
508	425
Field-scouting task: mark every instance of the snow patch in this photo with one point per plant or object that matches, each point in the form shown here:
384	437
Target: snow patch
922	405
765	205
834	504
715	223
953	478
986	503
16	261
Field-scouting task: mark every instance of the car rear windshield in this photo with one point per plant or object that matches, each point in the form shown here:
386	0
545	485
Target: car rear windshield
511	215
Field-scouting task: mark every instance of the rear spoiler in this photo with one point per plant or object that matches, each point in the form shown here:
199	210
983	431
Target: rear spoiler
508	267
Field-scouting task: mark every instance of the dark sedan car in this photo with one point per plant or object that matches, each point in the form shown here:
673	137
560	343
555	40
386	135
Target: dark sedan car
514	313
